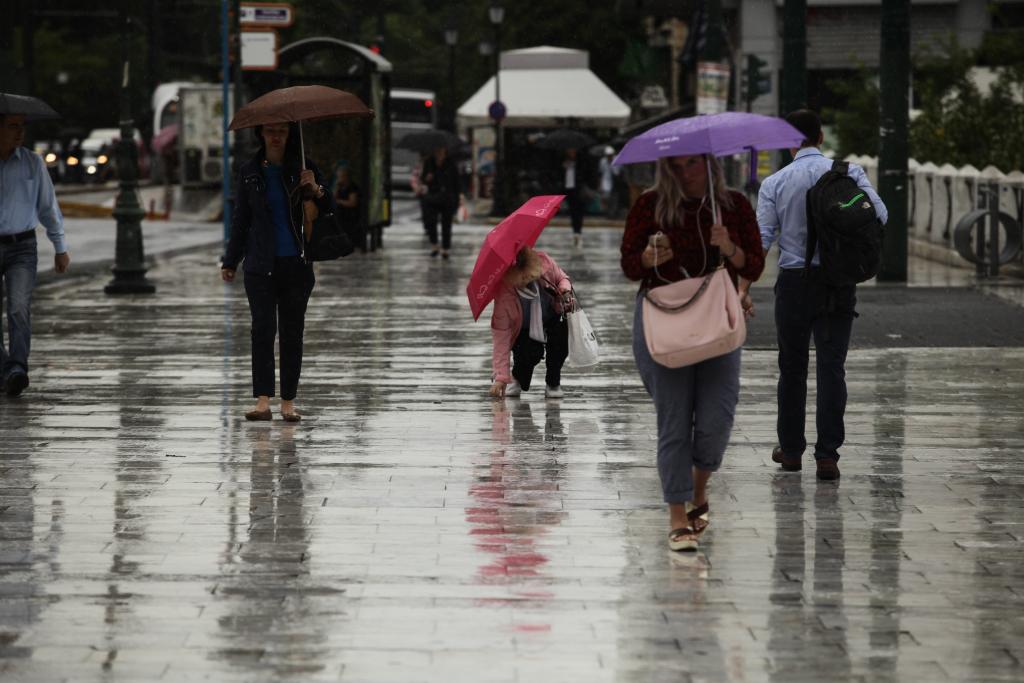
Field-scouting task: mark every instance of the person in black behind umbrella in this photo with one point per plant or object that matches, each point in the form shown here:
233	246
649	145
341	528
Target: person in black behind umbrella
346	196
275	197
440	177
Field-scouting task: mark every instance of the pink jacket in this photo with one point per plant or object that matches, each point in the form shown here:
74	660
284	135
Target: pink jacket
507	318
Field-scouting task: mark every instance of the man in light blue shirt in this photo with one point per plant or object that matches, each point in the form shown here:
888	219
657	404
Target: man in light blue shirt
806	306
26	200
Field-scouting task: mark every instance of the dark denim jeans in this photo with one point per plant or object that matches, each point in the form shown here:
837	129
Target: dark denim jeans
278	306
431	215
527	353
805	307
18	264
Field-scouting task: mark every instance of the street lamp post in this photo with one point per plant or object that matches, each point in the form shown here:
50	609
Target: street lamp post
496	13
451	39
129	258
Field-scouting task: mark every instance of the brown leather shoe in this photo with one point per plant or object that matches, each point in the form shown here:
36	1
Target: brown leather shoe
259	415
788	464
828	469
291	417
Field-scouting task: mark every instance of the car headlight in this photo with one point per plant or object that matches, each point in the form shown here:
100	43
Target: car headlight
102	159
91	169
72	161
50	157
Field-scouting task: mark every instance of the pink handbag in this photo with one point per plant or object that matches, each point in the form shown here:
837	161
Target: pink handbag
694	319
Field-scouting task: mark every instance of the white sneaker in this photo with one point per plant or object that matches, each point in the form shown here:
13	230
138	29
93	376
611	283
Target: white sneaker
513	389
553	392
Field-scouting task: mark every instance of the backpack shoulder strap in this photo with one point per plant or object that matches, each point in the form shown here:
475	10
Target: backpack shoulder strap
842	167
812	236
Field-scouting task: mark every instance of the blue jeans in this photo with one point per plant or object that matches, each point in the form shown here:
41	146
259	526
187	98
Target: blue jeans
806	308
696	406
18	264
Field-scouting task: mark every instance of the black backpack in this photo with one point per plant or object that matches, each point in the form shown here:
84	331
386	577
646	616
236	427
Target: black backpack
843	225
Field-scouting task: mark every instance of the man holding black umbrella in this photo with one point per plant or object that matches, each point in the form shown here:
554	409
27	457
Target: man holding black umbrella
27	199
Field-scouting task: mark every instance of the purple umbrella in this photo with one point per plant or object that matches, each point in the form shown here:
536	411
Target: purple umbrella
718	134
714	134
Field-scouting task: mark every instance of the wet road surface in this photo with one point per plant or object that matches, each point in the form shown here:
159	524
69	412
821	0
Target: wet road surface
410	529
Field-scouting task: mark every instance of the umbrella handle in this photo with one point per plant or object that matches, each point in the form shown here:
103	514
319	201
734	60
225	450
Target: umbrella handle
302	149
711	191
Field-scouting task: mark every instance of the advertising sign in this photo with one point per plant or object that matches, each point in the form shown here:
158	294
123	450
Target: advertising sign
712	87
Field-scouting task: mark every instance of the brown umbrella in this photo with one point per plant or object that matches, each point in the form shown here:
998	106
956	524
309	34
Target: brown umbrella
300	103
297	104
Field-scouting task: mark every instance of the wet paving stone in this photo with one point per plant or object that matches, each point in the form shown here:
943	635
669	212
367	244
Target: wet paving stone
411	529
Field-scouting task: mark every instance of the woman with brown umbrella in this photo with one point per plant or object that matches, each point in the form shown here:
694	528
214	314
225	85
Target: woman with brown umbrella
276	194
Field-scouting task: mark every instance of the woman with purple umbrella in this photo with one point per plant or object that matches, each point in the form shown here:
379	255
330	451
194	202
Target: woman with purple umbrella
684	227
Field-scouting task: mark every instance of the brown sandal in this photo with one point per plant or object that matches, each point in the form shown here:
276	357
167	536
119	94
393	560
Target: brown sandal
291	417
683	538
698	517
259	415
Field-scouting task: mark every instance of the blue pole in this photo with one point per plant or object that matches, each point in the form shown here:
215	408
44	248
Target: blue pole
225	80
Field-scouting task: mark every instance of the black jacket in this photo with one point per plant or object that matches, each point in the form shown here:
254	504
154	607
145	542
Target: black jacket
253	235
442	183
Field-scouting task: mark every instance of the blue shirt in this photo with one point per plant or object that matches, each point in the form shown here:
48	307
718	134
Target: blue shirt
782	204
27	198
277	200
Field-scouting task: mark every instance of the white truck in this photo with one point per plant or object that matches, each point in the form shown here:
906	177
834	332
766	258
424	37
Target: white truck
197	110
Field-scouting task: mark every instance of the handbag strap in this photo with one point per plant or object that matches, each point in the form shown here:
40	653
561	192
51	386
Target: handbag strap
696	295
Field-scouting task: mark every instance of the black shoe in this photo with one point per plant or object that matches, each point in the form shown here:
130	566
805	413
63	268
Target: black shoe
16	384
788	464
434	253
828	469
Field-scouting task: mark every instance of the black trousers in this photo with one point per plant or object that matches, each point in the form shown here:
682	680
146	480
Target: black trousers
431	214
527	353
277	303
575	201
805	307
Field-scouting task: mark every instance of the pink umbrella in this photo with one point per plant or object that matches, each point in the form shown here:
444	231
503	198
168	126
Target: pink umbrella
521	228
165	137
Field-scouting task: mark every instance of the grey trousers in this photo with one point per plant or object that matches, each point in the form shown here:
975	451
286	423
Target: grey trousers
695	405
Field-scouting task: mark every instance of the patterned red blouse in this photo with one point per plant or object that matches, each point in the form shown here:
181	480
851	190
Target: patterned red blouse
740	221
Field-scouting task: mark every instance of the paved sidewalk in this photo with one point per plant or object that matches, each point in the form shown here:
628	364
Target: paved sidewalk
410	529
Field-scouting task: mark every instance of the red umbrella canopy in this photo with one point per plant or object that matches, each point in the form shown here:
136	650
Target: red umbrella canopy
521	228
300	103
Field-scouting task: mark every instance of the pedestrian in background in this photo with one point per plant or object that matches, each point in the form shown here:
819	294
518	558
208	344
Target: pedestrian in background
440	178
27	198
806	306
528	321
572	188
346	197
695	404
276	195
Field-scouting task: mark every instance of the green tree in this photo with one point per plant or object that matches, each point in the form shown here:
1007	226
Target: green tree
856	122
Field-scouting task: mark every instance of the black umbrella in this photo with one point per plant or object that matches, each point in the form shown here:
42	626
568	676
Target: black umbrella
564	138
425	141
31	108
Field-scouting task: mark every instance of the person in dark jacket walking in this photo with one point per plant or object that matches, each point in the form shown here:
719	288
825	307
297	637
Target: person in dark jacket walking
440	177
277	197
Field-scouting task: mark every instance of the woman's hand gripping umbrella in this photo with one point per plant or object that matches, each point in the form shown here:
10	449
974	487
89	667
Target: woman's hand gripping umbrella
521	228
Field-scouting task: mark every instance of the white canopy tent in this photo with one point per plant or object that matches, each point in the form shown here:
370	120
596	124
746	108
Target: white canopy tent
544	87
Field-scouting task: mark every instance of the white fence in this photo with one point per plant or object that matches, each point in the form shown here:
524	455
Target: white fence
939	196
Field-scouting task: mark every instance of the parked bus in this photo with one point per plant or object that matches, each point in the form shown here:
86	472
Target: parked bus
411	110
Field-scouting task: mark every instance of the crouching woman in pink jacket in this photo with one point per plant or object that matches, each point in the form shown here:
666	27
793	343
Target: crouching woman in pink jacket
527	321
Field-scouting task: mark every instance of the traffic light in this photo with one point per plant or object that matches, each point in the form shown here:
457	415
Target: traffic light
756	81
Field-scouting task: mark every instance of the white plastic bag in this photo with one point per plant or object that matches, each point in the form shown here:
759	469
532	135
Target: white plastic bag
583	349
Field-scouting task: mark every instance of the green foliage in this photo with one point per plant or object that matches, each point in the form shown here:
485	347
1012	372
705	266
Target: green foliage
856	123
959	124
